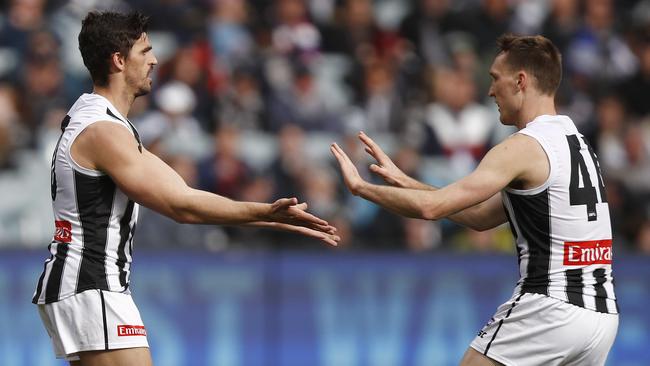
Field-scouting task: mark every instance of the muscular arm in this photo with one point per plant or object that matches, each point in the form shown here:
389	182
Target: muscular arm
481	216
472	201
110	148
146	179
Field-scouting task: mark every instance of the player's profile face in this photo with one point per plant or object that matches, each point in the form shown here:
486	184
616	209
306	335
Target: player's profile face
504	90
140	64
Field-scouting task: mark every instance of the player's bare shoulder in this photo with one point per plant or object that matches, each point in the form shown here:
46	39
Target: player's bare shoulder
529	158
102	143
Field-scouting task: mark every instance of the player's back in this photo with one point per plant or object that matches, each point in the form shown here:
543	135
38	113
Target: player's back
94	219
562	228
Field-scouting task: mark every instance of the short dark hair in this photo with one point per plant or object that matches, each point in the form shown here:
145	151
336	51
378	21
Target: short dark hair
104	33
535	54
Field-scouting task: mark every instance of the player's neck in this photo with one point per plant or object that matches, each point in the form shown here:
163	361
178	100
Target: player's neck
119	98
534	107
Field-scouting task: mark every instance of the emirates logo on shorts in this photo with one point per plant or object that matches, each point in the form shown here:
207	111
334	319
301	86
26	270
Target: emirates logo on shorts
584	253
131	330
63	231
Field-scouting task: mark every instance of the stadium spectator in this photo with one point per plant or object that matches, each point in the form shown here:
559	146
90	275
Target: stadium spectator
597	51
635	89
461	127
173	123
562	22
242	105
230	39
223	172
426	27
301	104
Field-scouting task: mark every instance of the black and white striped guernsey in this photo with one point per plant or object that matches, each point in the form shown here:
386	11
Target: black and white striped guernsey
562	229
94	220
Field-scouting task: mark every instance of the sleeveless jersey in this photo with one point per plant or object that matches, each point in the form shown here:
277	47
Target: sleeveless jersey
562	229
94	220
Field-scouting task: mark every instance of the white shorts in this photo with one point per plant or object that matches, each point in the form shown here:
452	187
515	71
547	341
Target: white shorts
93	320
534	329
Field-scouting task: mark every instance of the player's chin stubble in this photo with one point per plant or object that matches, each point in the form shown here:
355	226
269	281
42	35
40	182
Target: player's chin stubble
144	89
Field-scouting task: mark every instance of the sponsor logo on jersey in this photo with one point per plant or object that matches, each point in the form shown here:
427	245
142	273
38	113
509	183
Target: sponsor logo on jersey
63	231
131	330
584	253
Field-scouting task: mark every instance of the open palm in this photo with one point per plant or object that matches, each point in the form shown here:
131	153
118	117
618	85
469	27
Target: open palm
385	168
351	175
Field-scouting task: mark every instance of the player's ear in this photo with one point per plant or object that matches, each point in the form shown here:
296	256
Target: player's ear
117	61
522	80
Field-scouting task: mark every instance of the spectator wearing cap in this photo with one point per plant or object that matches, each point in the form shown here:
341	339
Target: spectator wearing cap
172	125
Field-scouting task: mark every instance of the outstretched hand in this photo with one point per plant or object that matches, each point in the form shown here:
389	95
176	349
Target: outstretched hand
327	236
289	215
385	168
350	173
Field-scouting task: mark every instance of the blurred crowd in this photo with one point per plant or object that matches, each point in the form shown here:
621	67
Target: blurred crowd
248	95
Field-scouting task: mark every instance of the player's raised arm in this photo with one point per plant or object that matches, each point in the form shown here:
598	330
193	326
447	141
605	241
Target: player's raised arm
109	147
505	163
482	216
